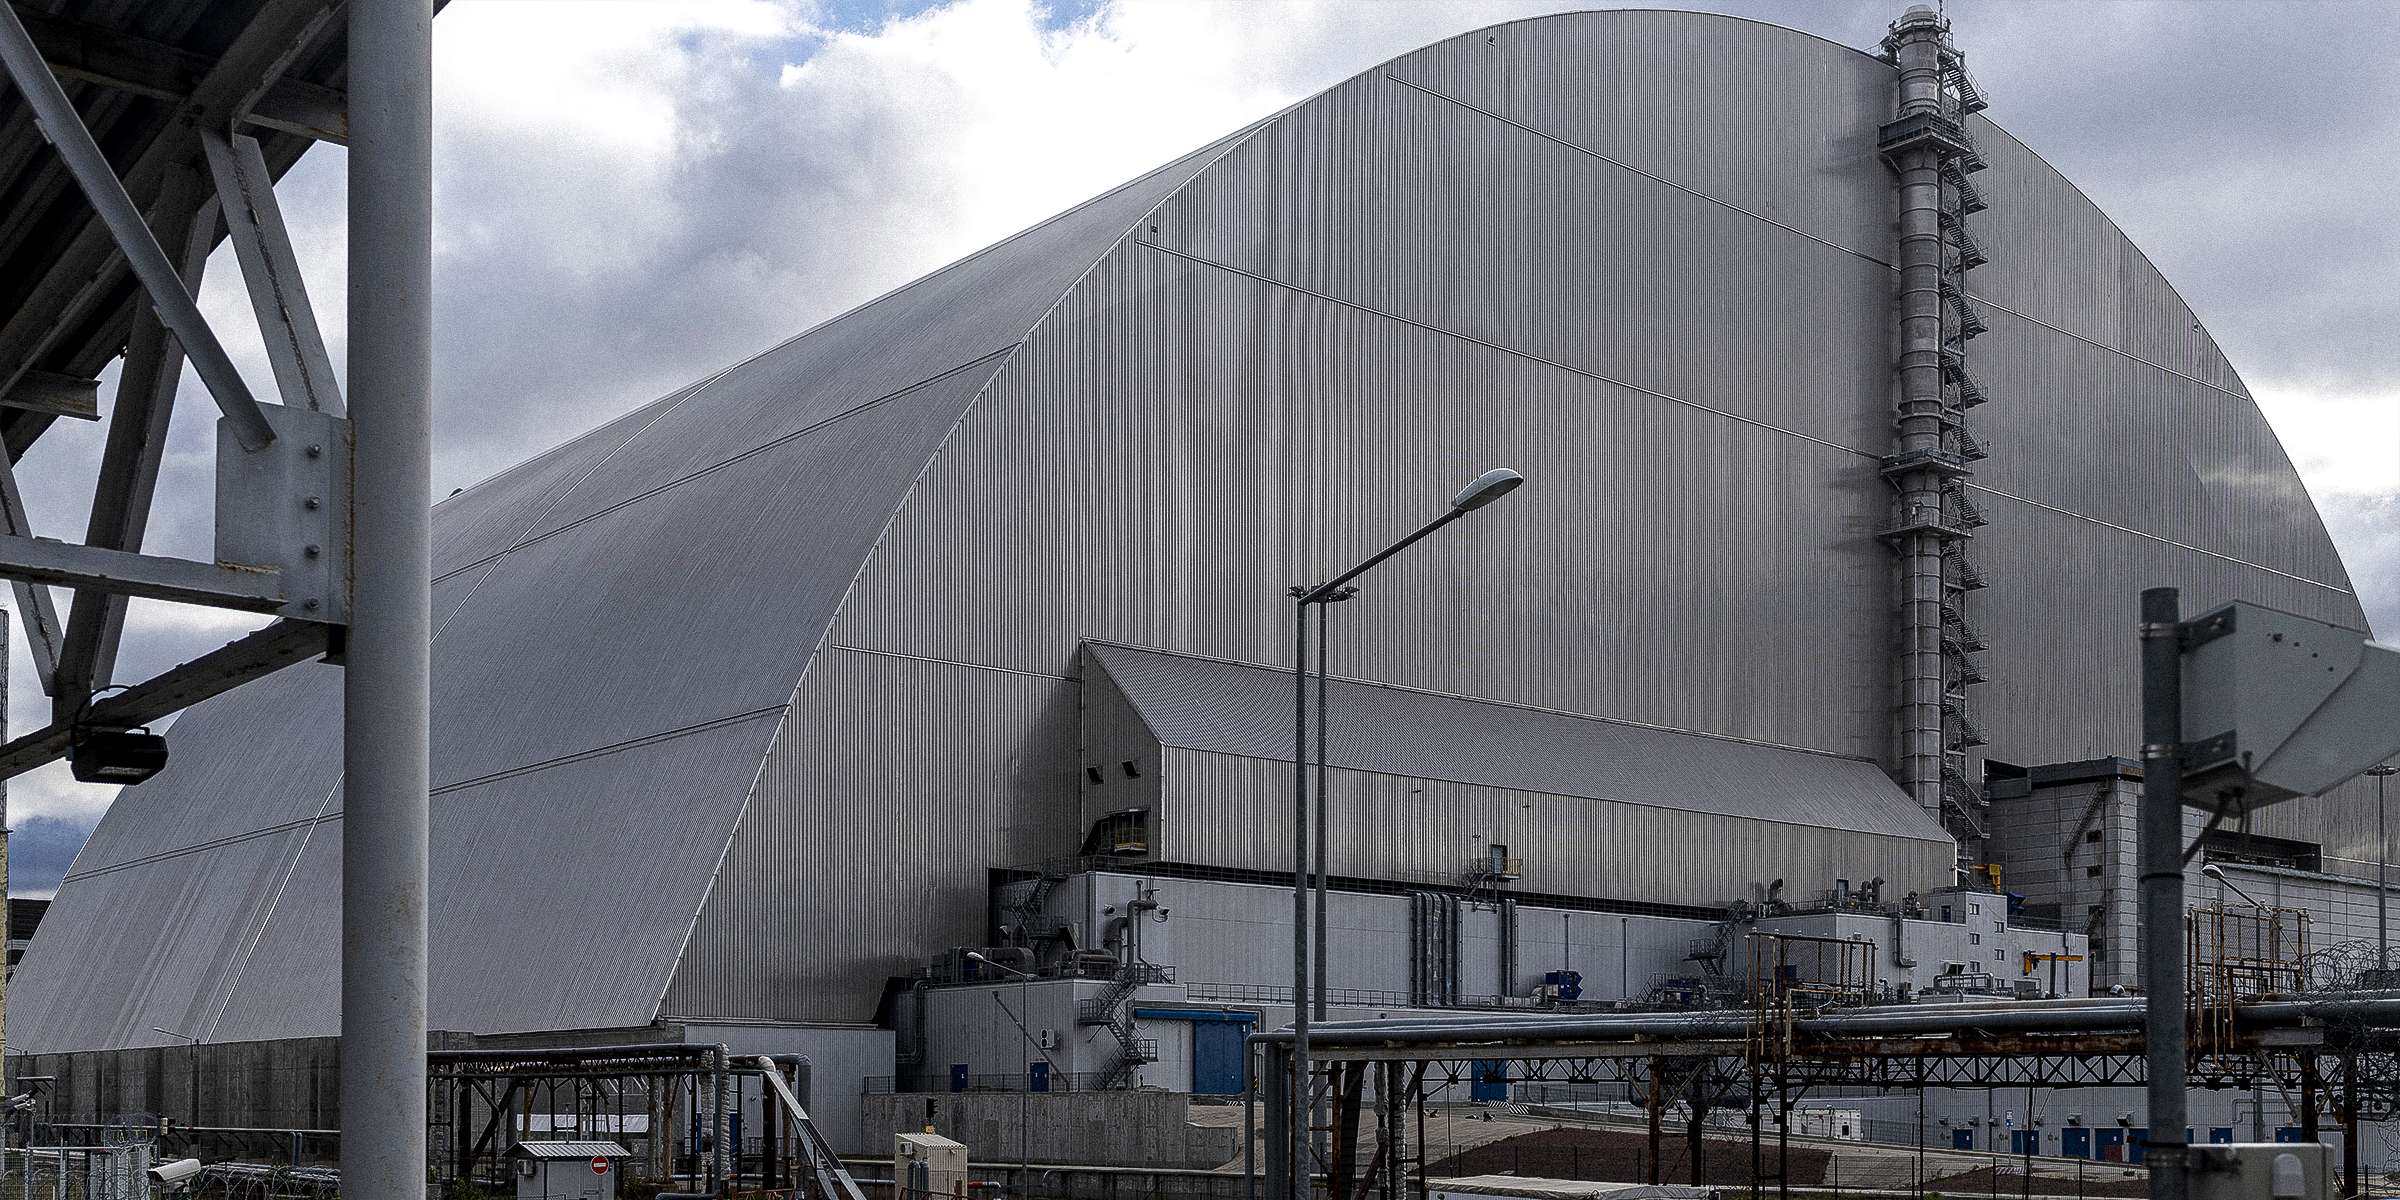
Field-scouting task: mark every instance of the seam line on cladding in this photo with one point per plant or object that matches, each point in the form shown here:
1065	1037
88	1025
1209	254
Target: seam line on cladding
519	540
1731	416
947	662
1978	298
598	751
2099	345
1644	174
258	932
2239	562
1471	338
752	452
511	773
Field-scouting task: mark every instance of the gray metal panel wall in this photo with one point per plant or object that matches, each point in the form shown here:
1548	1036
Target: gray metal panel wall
891	789
1386	291
622	622
1407	828
1232	708
1113	735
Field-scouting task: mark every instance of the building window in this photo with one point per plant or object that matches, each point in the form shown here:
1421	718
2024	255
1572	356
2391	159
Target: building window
1974	939
1974	909
1997	955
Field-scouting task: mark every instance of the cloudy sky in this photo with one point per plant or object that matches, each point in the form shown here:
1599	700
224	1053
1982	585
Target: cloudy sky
630	195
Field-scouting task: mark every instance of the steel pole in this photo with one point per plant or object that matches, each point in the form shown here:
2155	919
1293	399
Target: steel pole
1295	1182
1319	947
2162	937
2383	858
385	686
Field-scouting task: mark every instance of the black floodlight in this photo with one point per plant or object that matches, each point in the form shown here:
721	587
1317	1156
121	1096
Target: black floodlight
126	756
1489	486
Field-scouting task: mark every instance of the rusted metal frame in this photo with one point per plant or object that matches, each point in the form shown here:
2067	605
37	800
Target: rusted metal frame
55	394
1345	1082
137	442
1655	1110
121	216
499	1114
221	670
91	268
1416	1096
141	67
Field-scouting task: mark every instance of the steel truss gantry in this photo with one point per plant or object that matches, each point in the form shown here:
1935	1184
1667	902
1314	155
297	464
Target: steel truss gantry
1364	1077
322	513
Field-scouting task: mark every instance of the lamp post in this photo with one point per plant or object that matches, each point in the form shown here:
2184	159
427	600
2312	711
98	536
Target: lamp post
2383	856
191	1067
1487	487
2213	871
1025	1061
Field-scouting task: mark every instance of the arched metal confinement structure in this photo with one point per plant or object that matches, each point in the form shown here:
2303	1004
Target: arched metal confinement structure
739	698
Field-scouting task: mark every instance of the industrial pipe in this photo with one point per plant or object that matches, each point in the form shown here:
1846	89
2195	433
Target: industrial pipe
2374	1009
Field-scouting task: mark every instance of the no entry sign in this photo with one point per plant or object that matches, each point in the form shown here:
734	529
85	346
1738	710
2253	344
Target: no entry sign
599	1165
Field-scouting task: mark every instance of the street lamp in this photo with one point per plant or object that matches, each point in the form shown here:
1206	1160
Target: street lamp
1025	1061
191	1067
1487	487
2213	871
2383	855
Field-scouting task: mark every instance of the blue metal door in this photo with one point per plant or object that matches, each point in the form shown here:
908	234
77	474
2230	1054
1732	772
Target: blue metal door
2109	1144
2221	1135
2074	1142
1962	1139
1491	1081
2022	1141
1217	1057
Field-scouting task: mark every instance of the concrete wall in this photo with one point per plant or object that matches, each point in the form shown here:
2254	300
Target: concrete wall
290	1084
1143	1128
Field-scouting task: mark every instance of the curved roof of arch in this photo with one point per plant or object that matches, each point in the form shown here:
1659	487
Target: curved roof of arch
1672	312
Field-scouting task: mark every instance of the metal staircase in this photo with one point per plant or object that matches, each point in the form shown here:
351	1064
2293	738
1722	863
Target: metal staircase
1112	1009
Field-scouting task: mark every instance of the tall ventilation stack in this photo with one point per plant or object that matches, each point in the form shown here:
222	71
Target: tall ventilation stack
1933	517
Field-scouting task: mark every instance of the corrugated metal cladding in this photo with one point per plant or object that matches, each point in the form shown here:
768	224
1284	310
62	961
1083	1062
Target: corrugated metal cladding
1193	703
1435	831
1642	257
620	625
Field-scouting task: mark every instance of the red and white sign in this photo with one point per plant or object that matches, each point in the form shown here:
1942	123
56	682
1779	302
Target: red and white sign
599	1166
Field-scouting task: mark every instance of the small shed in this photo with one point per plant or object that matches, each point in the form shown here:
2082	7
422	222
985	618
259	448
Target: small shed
567	1170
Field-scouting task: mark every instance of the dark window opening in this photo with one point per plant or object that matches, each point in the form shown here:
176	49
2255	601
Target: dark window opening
2233	846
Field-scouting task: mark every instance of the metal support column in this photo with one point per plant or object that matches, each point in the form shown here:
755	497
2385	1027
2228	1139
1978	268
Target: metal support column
2162	941
1294	1181
385	693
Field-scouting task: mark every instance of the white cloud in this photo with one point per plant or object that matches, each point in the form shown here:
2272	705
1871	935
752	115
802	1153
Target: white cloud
630	195
2340	440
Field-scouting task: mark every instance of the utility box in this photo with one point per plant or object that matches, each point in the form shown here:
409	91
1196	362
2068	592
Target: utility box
567	1170
926	1165
2262	1171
